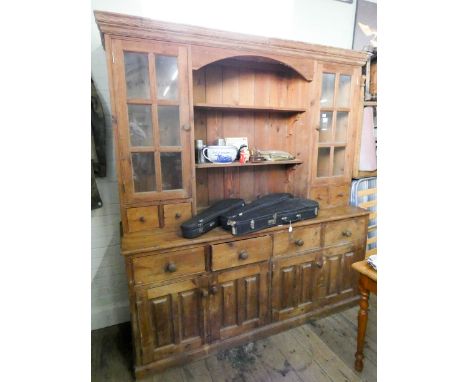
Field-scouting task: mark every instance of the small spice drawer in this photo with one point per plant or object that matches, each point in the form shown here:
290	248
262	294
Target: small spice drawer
344	232
339	196
235	253
176	214
142	218
161	267
320	194
299	240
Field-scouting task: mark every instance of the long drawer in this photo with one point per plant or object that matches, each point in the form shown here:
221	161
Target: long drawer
299	240
344	232
235	253
161	267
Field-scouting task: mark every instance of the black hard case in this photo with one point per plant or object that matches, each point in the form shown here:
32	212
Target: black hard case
261	202
209	218
285	212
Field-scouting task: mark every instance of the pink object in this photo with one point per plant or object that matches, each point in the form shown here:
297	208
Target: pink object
368	156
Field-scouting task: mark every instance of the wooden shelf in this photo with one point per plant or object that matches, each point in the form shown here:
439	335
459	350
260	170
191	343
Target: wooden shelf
212	106
249	164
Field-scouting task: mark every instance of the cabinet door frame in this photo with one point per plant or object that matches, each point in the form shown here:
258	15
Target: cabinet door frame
123	133
239	279
145	296
340	279
296	266
353	115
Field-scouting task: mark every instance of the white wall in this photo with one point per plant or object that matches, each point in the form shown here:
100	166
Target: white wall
326	22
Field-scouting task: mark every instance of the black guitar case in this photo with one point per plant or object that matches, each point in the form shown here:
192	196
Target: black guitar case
284	212
261	202
209	218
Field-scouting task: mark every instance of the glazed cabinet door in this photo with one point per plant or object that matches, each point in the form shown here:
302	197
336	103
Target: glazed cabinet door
171	318
337	280
296	285
337	90
152	109
238	300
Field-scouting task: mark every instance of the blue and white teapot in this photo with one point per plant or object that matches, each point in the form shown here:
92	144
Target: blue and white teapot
220	154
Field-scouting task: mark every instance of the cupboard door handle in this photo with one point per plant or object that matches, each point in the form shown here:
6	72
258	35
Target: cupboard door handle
178	215
299	242
340	194
142	219
214	289
319	263
204	292
243	255
171	267
186	127
347	233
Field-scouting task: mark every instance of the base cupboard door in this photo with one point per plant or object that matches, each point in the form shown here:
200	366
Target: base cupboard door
171	318
238	300
296	285
337	280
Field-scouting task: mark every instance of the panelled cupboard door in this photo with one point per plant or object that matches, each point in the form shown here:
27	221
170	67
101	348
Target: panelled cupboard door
296	285
337	90
171	319
238	300
337	280
152	109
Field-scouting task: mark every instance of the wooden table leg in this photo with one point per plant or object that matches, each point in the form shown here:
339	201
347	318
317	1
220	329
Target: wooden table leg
362	323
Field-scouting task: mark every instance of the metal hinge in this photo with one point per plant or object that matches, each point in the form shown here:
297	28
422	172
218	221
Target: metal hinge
113	58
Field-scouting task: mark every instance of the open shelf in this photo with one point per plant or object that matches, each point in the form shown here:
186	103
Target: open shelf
212	106
249	164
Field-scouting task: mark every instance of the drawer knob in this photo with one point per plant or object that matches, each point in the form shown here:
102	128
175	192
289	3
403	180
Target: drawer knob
214	289
347	233
142	219
299	242
243	255
204	292
319	263
178	215
171	267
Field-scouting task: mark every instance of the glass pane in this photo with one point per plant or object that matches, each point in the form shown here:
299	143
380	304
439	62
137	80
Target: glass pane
144	178
328	89
171	168
325	132
169	126
139	123
167	74
323	162
341	126
344	87
339	161
136	75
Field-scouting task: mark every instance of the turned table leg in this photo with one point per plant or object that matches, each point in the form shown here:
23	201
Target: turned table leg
362	324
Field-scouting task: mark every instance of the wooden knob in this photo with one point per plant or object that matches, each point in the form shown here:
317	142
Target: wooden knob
299	242
203	292
243	255
214	289
186	127
171	267
319	263
347	233
142	219
178	215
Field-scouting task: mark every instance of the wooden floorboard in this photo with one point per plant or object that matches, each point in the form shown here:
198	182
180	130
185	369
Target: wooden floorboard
320	350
